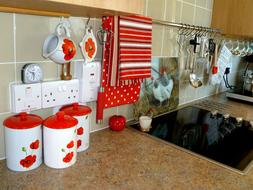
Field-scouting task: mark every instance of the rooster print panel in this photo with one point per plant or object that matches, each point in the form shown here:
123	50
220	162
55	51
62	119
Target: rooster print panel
160	93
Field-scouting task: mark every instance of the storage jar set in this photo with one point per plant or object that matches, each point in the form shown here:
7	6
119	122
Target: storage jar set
62	134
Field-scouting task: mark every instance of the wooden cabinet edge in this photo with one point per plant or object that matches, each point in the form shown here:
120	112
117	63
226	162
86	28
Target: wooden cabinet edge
65	8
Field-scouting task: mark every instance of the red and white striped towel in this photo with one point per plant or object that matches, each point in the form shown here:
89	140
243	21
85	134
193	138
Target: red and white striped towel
135	42
131	51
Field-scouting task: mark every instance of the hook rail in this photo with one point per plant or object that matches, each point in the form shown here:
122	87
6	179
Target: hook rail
186	26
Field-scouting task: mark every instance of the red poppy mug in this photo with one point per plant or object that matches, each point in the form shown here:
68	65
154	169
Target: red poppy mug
58	46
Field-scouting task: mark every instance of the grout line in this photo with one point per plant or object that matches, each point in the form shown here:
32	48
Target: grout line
181	11
14	45
146	8
185	2
194	13
4	113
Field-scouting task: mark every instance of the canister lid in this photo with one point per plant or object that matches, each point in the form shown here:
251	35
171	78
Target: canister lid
23	121
60	121
76	110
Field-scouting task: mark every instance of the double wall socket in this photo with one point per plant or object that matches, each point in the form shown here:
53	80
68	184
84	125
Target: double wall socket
25	97
29	97
56	93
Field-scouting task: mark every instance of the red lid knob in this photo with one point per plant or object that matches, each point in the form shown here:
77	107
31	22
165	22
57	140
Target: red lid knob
60	121
23	116
75	106
76	110
60	115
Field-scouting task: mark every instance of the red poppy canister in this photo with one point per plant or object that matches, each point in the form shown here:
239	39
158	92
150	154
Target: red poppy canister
23	141
82	114
59	138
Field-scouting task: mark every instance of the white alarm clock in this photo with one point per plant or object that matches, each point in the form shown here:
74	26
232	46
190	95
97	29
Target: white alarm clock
31	73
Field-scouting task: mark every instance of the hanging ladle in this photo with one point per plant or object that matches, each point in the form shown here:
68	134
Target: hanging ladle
193	78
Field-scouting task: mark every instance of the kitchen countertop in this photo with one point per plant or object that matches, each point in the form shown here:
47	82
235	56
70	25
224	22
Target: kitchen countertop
133	160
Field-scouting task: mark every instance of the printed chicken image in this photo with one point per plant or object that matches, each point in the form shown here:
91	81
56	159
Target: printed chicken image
160	93
162	88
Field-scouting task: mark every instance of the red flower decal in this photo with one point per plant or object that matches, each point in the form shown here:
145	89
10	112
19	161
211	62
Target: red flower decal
80	131
35	144
69	49
28	161
79	143
90	47
68	157
71	144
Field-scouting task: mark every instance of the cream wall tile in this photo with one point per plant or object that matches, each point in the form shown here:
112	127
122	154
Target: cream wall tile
189	1
43	113
186	91
170	14
187	14
6	38
2	143
201	3
209	4
6	77
203	17
178	11
156	9
157	40
49	70
126	111
170	45
31	31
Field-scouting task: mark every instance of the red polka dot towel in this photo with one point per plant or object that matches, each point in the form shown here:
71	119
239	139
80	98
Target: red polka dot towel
121	77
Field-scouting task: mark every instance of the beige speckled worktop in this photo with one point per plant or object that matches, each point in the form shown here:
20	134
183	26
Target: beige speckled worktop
130	160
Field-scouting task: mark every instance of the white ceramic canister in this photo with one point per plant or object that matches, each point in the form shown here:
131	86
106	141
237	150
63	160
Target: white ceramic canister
59	140
82	114
23	142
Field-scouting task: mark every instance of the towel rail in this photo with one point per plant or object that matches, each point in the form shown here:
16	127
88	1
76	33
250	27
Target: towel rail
186	26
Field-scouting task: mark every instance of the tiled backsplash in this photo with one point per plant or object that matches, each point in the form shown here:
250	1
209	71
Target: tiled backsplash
196	12
22	37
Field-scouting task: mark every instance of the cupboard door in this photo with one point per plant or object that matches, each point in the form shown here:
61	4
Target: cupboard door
233	17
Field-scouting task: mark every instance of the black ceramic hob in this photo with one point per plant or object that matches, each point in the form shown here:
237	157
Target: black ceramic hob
218	137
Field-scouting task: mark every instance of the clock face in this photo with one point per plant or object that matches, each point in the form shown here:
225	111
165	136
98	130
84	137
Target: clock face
32	73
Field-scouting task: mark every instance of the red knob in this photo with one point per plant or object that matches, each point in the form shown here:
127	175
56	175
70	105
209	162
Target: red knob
60	115
75	106
23	116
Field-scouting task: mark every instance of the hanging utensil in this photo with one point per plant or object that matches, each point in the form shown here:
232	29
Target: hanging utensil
194	80
180	42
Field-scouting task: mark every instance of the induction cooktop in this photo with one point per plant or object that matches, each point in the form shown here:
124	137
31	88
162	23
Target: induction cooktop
222	139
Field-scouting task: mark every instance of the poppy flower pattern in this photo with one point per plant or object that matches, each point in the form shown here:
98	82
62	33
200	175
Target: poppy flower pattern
71	144
35	144
90	47
69	154
69	49
68	157
79	143
28	161
80	131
